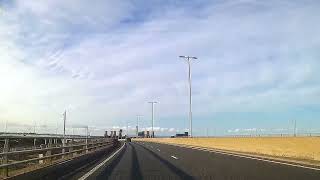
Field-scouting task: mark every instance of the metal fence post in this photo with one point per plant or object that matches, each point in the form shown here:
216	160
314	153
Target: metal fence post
63	149
5	157
48	153
34	143
71	148
86	145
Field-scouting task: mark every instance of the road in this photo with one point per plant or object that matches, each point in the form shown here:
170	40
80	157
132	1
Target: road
141	160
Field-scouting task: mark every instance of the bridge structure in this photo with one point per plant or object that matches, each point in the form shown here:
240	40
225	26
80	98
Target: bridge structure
22	153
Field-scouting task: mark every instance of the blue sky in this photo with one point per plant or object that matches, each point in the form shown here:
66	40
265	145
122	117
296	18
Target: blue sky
258	66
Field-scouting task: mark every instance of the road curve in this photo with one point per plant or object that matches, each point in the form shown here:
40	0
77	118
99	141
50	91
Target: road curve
145	160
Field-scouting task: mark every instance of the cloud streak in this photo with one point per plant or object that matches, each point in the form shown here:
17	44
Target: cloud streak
107	59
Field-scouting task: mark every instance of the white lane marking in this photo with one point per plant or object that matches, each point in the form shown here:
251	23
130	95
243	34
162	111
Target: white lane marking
151	146
101	164
174	157
249	157
158	150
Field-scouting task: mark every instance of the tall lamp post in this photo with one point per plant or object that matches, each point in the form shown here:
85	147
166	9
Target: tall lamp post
295	128
189	58
152	122
64	127
64	133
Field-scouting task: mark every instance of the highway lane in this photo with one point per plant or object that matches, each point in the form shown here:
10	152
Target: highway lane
218	166
135	162
141	160
70	168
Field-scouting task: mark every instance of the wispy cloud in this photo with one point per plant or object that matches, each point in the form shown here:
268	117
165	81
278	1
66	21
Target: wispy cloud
107	59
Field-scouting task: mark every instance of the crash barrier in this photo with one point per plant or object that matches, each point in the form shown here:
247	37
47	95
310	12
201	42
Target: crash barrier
16	162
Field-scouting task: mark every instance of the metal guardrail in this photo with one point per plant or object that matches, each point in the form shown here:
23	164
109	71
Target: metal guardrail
45	149
52	136
51	156
46	156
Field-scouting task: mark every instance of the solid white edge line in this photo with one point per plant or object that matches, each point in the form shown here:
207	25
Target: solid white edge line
248	157
101	164
174	157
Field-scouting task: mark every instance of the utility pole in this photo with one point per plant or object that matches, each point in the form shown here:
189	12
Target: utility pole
34	127
152	122
127	129
6	126
87	133
64	126
57	128
189	58
295	128
64	133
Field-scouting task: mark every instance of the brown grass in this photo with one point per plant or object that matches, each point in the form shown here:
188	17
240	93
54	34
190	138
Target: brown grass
301	149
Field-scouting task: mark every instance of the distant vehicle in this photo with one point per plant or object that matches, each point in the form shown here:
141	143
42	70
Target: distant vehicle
128	139
185	134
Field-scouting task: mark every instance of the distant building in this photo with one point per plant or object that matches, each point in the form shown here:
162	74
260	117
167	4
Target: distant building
145	134
113	134
141	134
120	134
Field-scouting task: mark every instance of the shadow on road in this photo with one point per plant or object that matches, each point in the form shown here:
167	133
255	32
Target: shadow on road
172	167
135	167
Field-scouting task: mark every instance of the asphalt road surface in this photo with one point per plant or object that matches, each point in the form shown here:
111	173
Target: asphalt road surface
140	160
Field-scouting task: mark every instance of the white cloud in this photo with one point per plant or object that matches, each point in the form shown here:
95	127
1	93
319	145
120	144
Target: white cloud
253	56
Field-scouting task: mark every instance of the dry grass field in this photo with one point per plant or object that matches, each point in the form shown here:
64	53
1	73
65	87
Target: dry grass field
301	149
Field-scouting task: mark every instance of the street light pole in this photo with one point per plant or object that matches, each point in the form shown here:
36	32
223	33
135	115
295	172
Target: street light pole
189	58
127	130
152	122
64	127
295	128
64	133
87	133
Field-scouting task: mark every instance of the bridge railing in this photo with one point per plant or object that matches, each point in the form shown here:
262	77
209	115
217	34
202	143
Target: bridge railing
15	162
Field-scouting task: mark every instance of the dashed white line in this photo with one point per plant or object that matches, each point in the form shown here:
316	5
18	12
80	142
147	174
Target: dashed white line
249	157
266	160
174	157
